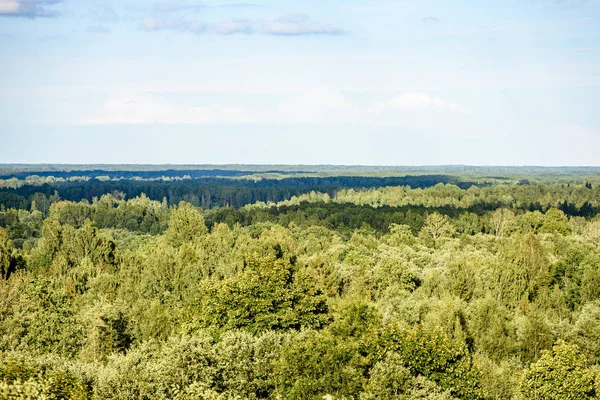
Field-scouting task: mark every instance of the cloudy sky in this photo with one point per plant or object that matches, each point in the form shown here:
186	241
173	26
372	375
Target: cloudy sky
396	82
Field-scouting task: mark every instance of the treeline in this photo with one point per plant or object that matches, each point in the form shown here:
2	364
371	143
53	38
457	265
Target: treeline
502	172
526	196
345	218
212	192
344	214
128	174
575	200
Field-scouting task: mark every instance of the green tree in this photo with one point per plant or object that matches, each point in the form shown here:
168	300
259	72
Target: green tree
529	258
314	364
437	226
530	222
105	331
437	357
6	254
555	221
492	326
267	294
42	319
501	220
185	224
28	377
560	374
400	235
389	379
586	331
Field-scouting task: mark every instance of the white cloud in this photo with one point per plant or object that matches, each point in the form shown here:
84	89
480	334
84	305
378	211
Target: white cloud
298	24
419	101
9	6
313	106
173	6
233	27
143	109
193	26
290	25
299	29
28	8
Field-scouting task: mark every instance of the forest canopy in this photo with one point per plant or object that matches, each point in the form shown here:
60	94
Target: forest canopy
352	286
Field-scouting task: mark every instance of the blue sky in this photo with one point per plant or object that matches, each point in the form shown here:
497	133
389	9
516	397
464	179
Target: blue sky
314	82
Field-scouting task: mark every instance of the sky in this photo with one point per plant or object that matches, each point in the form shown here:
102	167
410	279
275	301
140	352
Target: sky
371	82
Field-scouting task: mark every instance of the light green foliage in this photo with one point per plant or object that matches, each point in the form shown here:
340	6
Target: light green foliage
31	389
391	380
573	258
6	254
400	235
87	242
51	240
63	247
555	221
23	377
437	357
593	228
69	213
501	221
528	269
105	331
424	389
317	296
158	370
23	226
436	228
590	280
448	315
461	278
498	380
493	328
559	374
586	331
185	224
266	294
248	365
530	222
393	270
40	319
315	363
239	365
112	211
534	333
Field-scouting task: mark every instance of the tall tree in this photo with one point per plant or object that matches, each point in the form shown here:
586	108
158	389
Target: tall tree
500	220
6	254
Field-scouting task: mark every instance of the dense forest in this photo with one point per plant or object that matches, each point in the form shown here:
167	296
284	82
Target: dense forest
239	285
205	192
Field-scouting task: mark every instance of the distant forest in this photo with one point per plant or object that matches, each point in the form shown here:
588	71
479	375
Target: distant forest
211	192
